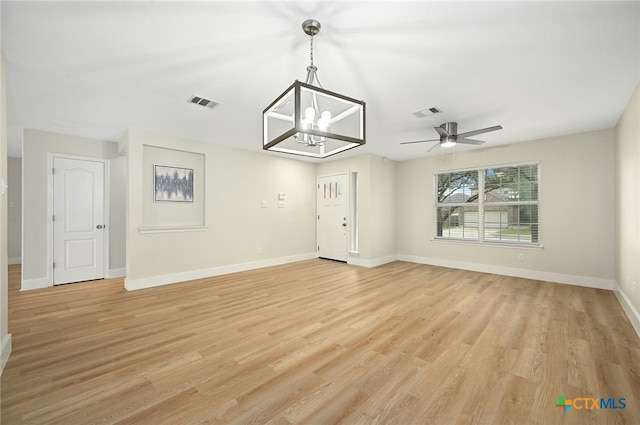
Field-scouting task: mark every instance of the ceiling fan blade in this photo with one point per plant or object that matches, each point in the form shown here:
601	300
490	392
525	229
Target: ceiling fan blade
469	141
431	148
442	132
481	131
420	141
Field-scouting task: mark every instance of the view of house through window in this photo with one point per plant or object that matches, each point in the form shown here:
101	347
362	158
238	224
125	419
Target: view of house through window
492	204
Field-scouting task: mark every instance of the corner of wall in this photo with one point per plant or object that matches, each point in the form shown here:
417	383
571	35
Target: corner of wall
5	351
629	309
627	209
123	144
5	337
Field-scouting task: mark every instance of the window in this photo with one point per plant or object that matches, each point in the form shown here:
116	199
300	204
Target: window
492	204
353	234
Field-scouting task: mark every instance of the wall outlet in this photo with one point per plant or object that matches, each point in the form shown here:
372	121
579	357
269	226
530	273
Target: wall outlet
264	204
520	257
259	250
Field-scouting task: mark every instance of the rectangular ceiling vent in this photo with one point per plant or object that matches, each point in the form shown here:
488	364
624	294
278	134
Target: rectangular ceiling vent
423	113
202	101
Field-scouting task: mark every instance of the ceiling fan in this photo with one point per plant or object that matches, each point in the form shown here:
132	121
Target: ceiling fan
449	136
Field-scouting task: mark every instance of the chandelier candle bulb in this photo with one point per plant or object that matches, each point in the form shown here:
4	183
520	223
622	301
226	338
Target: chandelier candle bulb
324	121
309	115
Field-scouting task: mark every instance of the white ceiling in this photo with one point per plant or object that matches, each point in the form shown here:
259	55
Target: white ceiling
539	69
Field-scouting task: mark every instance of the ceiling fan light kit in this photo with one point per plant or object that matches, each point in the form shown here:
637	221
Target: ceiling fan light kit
310	121
449	142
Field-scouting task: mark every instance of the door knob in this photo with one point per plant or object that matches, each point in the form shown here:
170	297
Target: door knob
99	226
344	224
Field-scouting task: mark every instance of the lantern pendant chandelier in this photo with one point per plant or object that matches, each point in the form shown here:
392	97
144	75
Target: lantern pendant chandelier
310	121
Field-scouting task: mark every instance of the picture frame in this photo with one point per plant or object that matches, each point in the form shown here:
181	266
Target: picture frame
172	184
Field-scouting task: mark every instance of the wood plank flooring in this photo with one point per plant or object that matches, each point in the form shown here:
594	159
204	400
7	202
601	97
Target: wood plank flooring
320	342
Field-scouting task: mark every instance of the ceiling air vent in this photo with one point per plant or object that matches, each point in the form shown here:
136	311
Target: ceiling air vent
423	113
202	101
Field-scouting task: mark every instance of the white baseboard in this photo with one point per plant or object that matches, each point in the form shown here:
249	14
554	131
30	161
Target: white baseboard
28	284
629	309
116	273
5	352
152	281
590	282
14	260
356	261
43	282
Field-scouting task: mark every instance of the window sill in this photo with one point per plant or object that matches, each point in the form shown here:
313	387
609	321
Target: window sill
517	245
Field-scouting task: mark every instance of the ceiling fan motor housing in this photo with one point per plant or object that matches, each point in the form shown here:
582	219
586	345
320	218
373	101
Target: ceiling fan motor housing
451	128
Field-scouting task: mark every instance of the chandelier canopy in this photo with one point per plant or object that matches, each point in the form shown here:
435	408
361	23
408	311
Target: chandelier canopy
308	120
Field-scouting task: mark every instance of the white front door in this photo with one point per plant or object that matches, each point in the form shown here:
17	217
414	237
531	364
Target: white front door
332	205
78	220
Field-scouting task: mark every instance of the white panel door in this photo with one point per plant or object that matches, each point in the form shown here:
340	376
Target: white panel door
332	228
78	220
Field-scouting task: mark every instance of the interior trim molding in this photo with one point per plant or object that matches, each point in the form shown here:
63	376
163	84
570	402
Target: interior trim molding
629	309
43	282
14	260
152	281
29	284
112	273
586	281
172	229
375	262
5	352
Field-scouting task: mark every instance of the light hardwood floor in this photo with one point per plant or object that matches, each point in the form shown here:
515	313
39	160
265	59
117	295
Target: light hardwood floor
319	342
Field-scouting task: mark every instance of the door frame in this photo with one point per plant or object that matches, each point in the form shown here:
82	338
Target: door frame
346	174
106	162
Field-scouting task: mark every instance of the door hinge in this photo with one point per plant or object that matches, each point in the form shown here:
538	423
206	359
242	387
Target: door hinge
318	247
54	265
53	218
53	171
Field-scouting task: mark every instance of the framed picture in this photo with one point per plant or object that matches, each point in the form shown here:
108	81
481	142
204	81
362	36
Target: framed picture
174	184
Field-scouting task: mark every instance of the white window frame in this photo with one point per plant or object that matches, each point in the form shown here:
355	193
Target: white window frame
353	213
481	204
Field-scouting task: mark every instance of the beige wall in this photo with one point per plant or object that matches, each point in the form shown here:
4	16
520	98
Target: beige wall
239	234
14	215
117	215
577	198
35	150
384	207
376	206
5	337
628	208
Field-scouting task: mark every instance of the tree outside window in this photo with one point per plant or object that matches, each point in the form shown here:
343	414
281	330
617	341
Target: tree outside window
493	204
